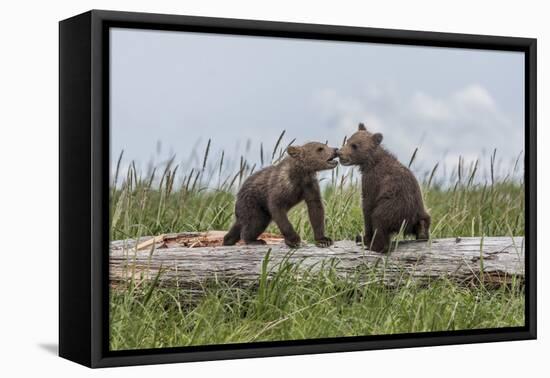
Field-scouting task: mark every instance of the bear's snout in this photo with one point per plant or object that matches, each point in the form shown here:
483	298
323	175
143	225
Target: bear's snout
343	156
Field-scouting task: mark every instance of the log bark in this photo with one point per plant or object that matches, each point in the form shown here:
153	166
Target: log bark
467	261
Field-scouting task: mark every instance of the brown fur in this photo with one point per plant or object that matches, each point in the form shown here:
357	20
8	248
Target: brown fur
270	193
390	193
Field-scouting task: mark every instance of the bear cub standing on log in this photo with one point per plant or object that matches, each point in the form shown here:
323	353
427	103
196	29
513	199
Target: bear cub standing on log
390	193
270	193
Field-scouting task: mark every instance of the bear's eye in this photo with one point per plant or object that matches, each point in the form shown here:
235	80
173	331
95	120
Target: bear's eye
354	146
320	149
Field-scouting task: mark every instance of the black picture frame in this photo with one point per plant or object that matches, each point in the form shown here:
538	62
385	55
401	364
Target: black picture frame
84	195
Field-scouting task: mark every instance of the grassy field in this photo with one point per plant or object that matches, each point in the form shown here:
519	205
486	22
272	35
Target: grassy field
315	305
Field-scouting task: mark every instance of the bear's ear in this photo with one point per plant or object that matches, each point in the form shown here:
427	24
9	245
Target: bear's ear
377	138
294	151
362	127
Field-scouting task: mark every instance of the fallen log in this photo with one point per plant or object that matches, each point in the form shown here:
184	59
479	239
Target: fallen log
191	260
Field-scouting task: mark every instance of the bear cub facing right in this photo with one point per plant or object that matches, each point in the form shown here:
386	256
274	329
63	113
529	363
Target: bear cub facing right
269	194
391	196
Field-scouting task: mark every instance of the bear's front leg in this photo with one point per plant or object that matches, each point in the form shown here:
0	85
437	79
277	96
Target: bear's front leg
292	239
316	212
317	220
366	238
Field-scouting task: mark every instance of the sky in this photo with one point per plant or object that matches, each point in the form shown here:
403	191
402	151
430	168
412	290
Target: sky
173	91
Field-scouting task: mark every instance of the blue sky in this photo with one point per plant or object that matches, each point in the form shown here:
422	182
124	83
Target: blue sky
172	91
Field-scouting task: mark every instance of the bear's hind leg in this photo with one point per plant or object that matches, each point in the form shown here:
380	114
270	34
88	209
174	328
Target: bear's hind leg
233	235
256	224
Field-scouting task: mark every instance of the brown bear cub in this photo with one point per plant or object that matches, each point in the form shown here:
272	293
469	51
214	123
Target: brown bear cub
390	193
270	193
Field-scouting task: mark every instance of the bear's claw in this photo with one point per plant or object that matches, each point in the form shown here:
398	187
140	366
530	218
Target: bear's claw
324	242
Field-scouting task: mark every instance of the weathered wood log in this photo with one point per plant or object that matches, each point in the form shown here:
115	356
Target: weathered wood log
493	260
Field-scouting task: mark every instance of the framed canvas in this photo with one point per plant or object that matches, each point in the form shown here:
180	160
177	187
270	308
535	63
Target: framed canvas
235	188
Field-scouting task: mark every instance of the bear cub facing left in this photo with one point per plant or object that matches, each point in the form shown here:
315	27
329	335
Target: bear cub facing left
391	196
270	193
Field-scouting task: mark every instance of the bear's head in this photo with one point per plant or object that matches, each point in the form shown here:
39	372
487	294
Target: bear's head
359	147
314	156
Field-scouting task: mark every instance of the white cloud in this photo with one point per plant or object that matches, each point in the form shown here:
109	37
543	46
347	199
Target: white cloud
465	103
430	108
475	96
465	123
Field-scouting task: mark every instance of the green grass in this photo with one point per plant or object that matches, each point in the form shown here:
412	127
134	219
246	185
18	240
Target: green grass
312	305
294	307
